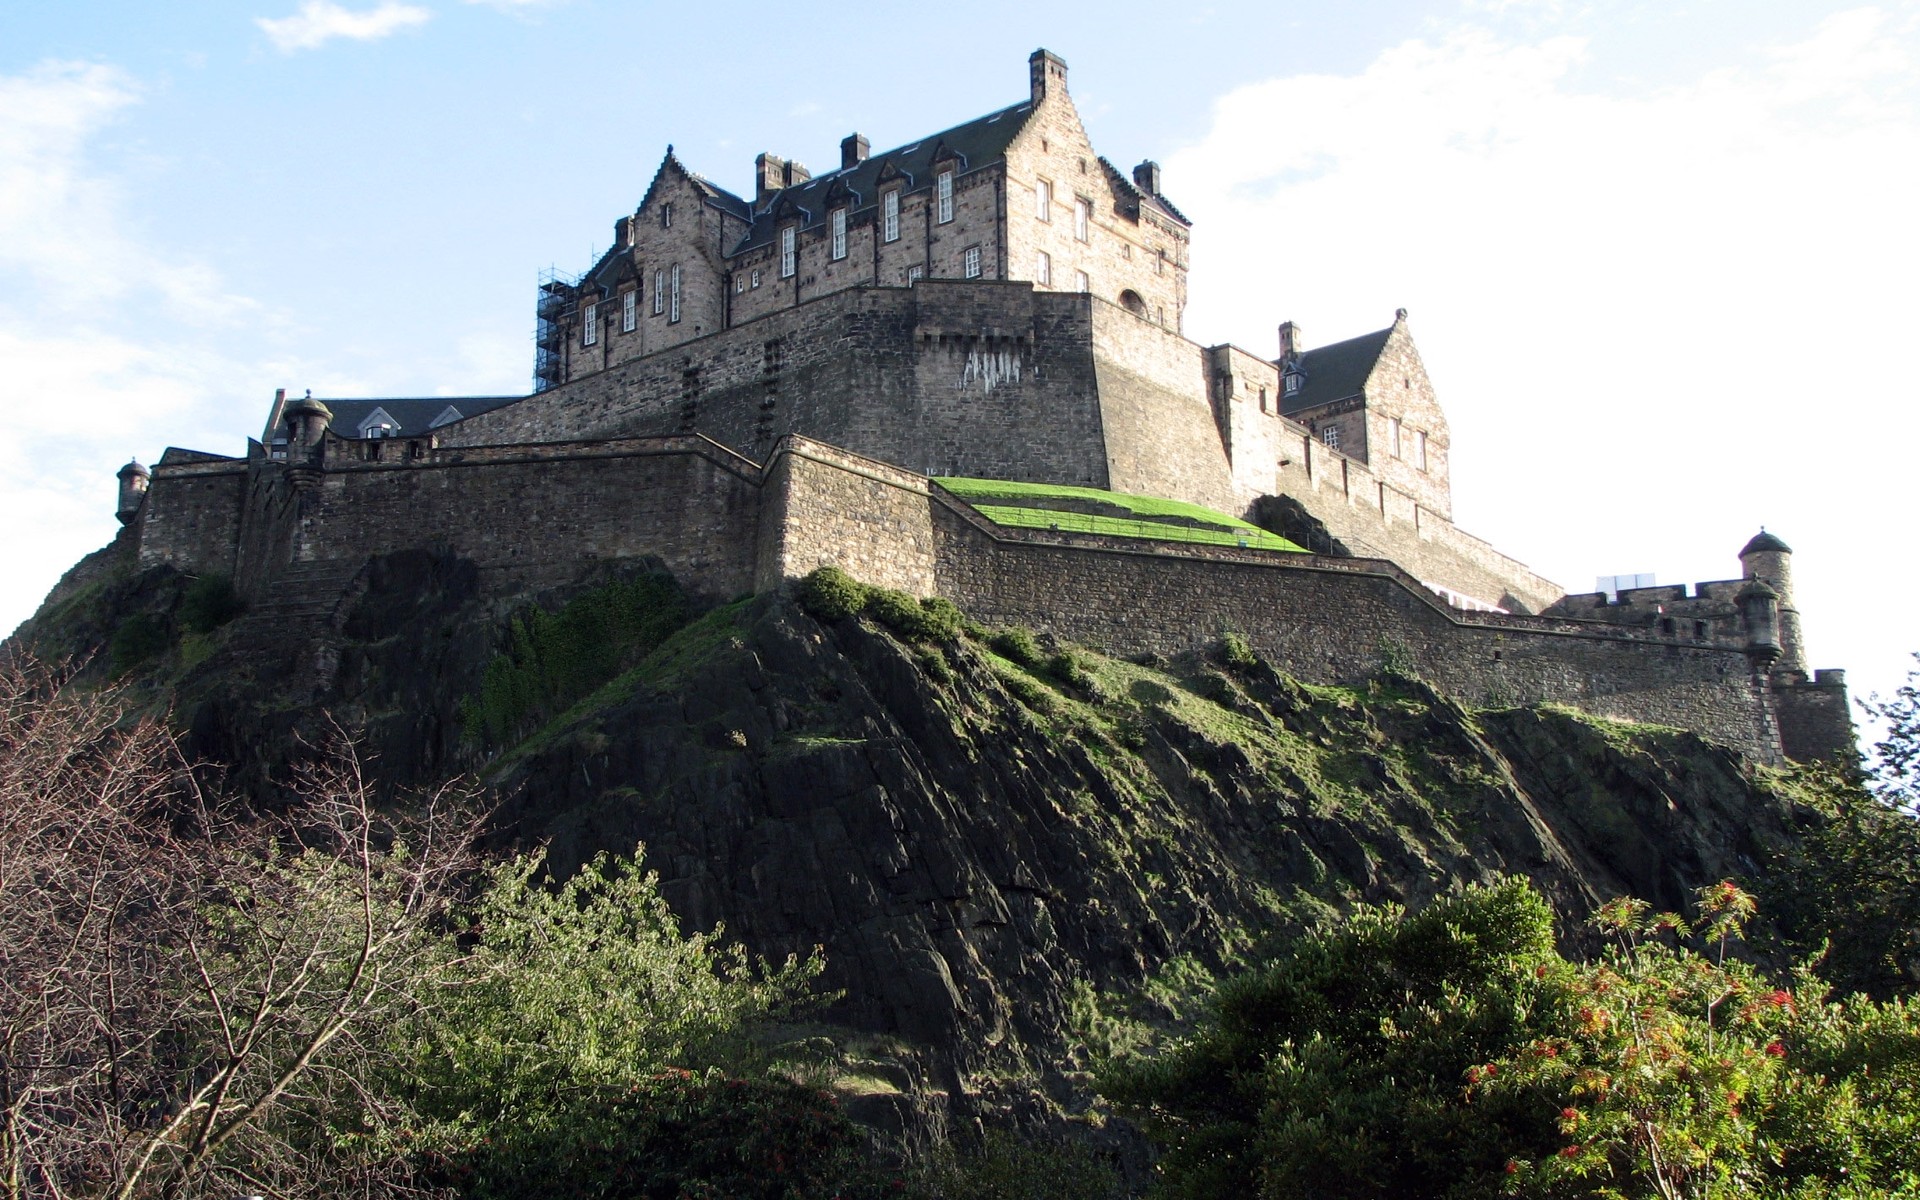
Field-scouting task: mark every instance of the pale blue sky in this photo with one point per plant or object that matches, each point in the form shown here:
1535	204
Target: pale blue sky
1658	255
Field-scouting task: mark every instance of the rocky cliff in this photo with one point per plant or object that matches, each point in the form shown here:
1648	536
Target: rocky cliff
984	833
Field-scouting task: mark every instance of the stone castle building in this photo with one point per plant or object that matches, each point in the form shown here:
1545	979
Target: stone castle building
747	389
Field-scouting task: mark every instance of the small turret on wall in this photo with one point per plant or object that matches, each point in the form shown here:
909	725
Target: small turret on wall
1768	559
134	479
307	421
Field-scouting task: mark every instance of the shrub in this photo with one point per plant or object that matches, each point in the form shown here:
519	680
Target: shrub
1030	692
139	639
554	659
210	602
1068	669
1236	652
945	617
832	595
1018	645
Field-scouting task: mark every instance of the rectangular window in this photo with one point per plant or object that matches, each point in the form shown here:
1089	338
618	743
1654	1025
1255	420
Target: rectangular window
1393	437
756	277
1263	399
914	273
786	252
1330	436
1160	264
1043	270
943	191
1420	450
839	233
1082	219
972	263
629	311
739	284
659	292
673	298
590	325
890	215
666	216
1081	283
1043	200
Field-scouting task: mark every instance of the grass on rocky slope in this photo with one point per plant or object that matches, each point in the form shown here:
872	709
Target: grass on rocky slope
1043	506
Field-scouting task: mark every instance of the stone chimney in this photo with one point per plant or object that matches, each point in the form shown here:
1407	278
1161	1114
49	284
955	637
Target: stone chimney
623	232
1293	343
771	173
1146	177
1047	72
853	150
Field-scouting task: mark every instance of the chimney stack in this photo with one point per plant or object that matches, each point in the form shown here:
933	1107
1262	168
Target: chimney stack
1046	71
1293	343
853	151
1146	177
771	173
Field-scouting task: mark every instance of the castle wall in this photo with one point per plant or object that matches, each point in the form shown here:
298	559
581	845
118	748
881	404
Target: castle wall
1374	519
825	507
947	378
190	519
531	520
1816	718
1333	621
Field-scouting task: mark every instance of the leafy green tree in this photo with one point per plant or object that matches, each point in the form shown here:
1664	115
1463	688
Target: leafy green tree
1452	1052
578	1019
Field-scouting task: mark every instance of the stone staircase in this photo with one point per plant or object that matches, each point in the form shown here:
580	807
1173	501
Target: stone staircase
295	624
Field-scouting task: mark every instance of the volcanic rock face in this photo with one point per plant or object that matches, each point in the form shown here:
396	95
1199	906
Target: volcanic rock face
979	838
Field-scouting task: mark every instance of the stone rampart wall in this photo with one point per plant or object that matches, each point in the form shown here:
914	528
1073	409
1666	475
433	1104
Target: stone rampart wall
191	516
531	521
1335	621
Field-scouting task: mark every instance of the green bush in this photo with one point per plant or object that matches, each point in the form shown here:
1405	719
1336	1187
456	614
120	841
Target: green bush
1453	1052
832	595
1008	1168
554	659
137	640
209	603
1068	669
1018	645
1030	692
675	1135
1236	652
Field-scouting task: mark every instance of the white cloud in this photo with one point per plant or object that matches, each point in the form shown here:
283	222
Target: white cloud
1658	317
108	343
517	6
321	21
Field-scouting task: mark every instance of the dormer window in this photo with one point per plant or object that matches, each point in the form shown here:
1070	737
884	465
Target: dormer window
943	197
1292	379
787	253
590	324
839	226
890	216
379	424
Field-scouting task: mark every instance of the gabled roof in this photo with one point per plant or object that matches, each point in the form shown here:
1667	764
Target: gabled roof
1336	372
412	417
976	144
1135	193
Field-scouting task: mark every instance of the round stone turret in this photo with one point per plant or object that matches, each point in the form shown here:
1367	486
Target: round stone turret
1769	560
133	489
1760	613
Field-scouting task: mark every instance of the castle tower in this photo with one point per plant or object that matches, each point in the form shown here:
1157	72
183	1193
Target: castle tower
133	489
1768	559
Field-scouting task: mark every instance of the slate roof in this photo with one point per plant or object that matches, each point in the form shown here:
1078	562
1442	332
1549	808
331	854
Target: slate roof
1764	541
413	416
1337	371
976	144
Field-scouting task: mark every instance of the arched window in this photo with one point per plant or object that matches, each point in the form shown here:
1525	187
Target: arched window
1131	301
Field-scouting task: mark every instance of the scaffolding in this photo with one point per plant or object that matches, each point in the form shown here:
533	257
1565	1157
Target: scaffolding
559	297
